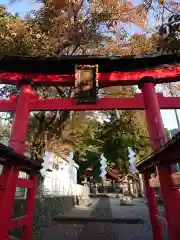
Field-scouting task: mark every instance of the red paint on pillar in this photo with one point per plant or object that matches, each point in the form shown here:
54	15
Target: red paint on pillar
18	139
17	142
157	134
10	175
171	197
153	208
21	119
31	198
153	115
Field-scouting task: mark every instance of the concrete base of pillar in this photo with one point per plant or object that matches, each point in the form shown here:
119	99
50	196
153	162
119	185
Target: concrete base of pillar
85	202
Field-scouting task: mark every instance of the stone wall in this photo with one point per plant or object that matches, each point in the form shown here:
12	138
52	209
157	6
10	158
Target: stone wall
45	210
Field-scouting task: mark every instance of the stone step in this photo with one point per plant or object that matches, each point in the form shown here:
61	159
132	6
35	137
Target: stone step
77	219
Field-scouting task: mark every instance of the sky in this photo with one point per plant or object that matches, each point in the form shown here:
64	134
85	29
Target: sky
22	7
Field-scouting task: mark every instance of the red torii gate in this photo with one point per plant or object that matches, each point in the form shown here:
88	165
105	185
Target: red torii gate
144	71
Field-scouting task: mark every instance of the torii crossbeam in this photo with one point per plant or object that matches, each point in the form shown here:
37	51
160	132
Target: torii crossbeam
133	103
112	71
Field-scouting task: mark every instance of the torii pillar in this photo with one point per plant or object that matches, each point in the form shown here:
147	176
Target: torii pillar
171	196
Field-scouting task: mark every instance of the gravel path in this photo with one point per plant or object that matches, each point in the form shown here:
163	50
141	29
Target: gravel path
93	231
139	231
104	230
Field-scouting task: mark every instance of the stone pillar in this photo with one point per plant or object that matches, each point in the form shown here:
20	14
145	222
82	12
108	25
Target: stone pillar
141	183
126	197
85	200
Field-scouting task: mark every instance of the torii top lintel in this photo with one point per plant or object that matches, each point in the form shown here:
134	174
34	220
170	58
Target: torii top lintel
112	71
